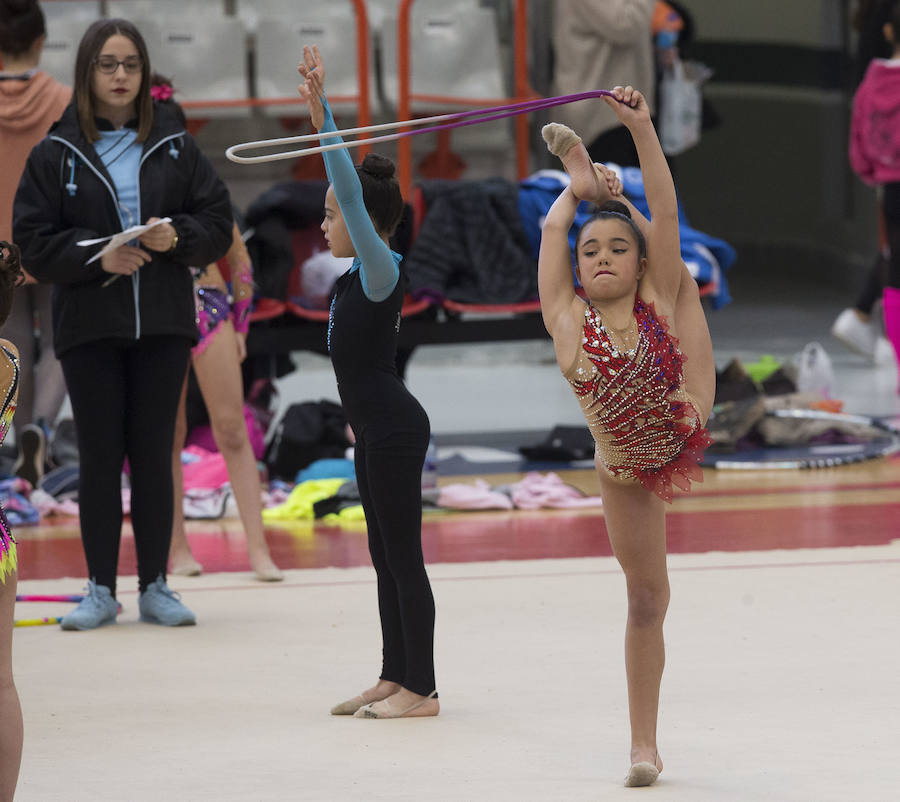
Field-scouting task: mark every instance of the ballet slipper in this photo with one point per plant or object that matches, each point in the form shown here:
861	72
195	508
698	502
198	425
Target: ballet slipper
349	707
187	566
429	706
642	773
563	142
272	574
560	138
264	569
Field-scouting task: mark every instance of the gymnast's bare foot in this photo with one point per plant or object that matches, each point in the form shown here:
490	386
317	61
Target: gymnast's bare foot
380	690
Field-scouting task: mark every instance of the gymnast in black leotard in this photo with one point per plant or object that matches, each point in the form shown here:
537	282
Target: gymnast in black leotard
362	208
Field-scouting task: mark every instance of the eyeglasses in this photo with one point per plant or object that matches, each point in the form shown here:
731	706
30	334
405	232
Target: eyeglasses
109	64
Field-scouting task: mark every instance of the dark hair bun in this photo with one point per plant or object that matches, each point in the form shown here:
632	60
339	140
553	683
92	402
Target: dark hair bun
617	207
377	166
10	266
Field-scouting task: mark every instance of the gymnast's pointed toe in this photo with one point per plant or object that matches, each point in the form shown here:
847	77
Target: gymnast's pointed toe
560	138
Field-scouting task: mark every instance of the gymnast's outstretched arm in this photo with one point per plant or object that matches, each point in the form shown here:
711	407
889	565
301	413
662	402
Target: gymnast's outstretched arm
378	270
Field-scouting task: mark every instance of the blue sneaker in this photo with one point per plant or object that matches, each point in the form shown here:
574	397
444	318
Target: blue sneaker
161	605
97	608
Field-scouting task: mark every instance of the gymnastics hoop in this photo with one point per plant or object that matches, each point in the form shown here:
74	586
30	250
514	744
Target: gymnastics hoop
36	622
37	597
54	597
447	122
59	597
816	457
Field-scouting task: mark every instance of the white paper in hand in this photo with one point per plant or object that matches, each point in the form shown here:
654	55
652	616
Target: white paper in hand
120	239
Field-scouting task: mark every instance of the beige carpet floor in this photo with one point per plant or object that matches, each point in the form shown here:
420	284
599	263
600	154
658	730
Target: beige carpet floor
781	684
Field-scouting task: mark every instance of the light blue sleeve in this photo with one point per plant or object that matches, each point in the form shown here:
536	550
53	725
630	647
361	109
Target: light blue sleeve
378	270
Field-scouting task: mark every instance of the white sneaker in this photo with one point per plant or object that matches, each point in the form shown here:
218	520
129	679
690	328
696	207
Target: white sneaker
885	355
856	335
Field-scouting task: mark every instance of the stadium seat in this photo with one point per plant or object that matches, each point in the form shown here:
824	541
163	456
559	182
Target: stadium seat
281	31
66	24
195	45
454	52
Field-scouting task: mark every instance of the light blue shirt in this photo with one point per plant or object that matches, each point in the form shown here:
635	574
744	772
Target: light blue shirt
120	153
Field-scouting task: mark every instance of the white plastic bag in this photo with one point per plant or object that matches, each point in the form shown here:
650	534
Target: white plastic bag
681	106
814	371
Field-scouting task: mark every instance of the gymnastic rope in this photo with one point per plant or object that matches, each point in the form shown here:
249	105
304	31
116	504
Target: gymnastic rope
447	122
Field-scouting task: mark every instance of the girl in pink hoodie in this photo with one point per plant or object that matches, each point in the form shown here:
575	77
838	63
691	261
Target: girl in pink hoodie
875	156
30	102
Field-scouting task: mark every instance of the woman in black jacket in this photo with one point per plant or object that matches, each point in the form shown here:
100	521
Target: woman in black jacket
125	322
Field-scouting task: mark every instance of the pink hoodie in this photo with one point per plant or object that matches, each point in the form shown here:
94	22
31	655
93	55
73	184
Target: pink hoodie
27	110
875	127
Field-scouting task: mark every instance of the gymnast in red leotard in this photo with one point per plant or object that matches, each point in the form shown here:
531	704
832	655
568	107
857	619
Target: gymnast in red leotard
638	354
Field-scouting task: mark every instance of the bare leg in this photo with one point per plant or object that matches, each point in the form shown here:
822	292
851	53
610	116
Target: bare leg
183	562
10	711
635	520
49	382
219	376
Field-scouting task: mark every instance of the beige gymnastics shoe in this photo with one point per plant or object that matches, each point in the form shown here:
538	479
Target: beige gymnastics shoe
560	138
349	707
641	774
429	706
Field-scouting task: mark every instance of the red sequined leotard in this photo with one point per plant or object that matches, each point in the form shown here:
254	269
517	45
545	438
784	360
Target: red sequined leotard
645	425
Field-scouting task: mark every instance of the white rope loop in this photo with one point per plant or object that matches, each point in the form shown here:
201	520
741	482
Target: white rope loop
232	152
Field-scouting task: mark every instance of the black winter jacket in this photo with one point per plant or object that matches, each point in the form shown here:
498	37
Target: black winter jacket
67	195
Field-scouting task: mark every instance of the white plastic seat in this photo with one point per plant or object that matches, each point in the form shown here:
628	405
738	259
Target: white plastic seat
454	52
383	12
203	52
66	24
163	10
280	36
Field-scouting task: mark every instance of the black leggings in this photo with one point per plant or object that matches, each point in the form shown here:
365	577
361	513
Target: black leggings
389	456
124	397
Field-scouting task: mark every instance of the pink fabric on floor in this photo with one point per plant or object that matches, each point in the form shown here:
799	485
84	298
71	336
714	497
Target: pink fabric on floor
534	492
48	506
476	496
203	469
538	490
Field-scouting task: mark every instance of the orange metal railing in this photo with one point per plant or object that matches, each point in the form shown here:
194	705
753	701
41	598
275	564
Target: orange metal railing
522	90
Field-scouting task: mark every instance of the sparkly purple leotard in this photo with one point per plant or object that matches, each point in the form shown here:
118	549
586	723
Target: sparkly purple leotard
9	394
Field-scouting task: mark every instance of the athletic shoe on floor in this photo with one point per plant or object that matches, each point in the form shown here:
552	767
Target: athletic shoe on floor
855	334
97	608
884	353
32	443
161	605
